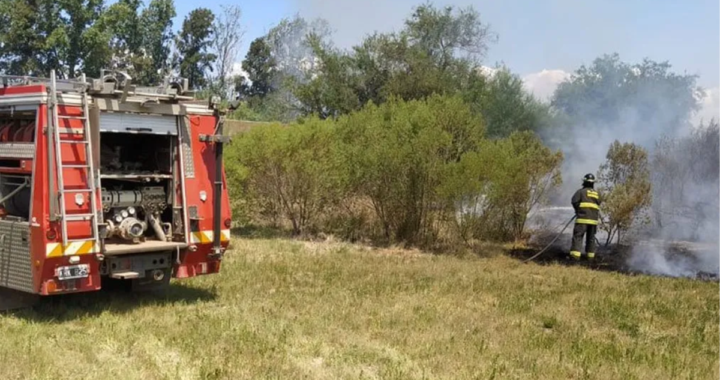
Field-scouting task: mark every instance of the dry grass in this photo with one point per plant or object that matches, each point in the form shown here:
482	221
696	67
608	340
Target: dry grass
292	310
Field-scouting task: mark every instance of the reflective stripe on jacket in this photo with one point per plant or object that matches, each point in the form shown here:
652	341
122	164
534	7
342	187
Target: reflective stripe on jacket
586	203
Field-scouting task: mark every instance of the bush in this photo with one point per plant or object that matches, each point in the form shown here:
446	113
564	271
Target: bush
290	171
236	175
496	188
624	184
685	184
397	155
416	172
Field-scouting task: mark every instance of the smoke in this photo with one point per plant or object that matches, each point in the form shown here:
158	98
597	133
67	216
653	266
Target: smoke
647	105
676	260
685	206
638	103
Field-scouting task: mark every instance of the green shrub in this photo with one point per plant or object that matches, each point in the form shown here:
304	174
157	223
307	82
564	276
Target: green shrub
236	175
290	171
624	183
416	172
397	155
494	189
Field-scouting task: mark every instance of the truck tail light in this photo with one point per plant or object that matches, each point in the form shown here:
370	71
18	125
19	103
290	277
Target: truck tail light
228	223
51	235
51	286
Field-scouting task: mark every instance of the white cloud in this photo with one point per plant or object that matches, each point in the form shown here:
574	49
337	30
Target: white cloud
542	84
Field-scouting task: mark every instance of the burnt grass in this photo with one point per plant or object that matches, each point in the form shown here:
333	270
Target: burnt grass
607	259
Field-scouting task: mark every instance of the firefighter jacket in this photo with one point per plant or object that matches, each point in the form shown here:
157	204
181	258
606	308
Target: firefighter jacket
586	203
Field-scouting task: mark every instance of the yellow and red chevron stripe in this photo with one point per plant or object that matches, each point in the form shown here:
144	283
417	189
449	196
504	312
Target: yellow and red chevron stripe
71	249
91	246
206	237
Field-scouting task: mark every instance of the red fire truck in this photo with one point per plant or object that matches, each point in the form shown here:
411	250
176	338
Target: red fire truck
101	179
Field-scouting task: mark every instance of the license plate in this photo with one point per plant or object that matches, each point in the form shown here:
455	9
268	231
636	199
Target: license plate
72	271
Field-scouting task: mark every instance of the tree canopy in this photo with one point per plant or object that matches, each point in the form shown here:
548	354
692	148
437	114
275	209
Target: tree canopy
74	36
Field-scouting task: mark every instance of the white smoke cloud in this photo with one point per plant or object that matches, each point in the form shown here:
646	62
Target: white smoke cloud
488	71
238	70
543	83
709	106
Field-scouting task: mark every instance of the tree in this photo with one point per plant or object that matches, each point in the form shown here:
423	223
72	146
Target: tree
85	41
291	46
156	23
31	35
641	100
261	68
126	42
505	105
67	36
330	94
449	33
625	187
611	99
227	37
193	42
437	52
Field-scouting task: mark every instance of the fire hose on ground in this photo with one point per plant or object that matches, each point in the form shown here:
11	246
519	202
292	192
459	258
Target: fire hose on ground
553	240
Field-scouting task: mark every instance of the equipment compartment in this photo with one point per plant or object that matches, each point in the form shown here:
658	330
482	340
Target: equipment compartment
136	173
132	155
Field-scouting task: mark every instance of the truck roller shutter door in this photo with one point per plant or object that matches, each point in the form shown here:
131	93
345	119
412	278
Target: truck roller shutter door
134	123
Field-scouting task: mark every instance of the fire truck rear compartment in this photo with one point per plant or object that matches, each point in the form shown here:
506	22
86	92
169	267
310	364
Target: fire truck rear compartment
17	136
137	174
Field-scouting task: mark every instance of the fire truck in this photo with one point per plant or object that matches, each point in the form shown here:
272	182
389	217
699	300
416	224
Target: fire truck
102	180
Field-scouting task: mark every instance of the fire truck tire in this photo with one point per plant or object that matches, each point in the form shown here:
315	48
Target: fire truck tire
11	299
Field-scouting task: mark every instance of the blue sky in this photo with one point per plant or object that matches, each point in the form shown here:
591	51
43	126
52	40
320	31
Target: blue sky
534	35
542	40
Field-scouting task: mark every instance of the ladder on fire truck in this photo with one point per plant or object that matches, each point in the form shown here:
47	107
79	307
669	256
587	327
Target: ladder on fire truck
88	166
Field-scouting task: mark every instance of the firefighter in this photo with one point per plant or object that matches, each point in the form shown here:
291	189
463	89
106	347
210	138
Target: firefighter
586	203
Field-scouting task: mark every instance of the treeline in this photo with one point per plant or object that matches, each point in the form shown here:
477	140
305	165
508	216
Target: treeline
295	70
419	172
74	36
408	138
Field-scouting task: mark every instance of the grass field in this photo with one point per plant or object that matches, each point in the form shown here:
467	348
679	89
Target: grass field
291	310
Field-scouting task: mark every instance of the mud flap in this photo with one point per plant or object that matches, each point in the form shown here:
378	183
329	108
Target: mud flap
11	299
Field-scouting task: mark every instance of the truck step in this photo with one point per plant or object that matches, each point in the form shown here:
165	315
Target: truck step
76	191
78	217
71	117
127	275
80	240
75	166
74	141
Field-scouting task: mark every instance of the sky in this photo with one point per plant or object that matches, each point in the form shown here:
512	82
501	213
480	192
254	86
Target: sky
541	40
